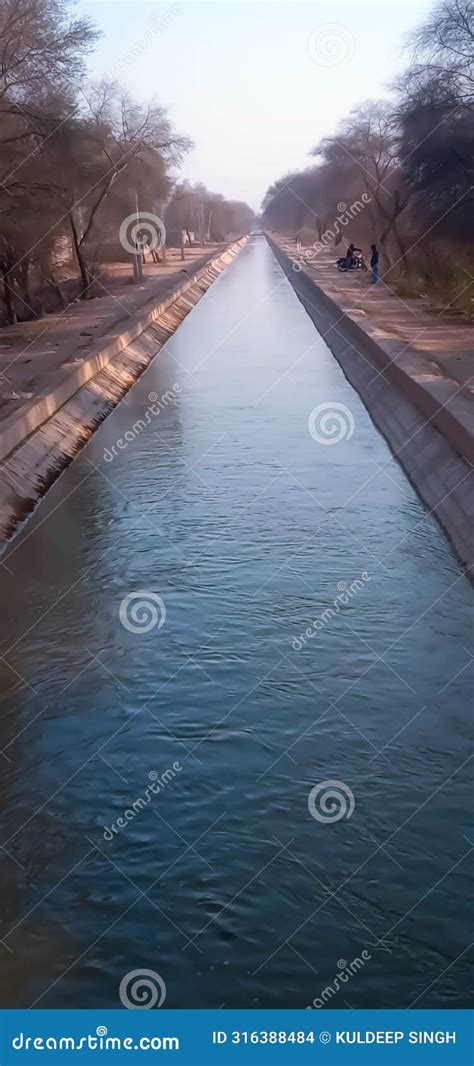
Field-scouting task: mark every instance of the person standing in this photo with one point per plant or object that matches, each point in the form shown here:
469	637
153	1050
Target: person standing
374	264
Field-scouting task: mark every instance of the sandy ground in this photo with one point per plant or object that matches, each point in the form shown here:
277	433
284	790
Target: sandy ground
32	354
446	339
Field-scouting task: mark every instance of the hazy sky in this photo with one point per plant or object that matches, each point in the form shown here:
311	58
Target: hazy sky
255	85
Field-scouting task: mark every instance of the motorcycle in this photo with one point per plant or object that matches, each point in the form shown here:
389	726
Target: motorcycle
356	263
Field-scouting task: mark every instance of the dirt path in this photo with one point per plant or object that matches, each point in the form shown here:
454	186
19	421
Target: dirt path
34	354
445	339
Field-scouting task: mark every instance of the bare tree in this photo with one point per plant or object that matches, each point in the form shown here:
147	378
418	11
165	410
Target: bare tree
443	52
366	149
436	120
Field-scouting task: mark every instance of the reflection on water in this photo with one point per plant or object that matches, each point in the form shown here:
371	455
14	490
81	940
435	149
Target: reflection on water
247	529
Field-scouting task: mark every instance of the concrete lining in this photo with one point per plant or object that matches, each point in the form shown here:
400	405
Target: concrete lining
428	431
37	443
18	426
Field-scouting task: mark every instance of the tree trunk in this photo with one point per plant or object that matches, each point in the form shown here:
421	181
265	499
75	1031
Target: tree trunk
9	301
209	225
391	227
24	283
402	249
80	259
387	260
59	293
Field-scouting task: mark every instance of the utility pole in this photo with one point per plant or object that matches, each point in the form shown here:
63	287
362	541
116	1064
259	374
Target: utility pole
162	216
179	200
138	256
201	222
181	240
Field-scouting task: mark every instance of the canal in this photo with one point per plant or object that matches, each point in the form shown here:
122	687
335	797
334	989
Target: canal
231	599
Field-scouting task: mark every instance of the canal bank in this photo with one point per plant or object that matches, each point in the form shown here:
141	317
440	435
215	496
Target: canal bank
426	416
235	614
43	435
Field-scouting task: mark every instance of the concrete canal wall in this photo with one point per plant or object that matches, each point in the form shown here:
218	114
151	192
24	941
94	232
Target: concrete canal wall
432	439
38	442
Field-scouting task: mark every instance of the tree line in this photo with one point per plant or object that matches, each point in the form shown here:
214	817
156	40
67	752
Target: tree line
77	158
409	162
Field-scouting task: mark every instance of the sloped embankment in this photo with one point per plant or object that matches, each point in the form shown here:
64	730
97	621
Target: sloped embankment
37	445
427	430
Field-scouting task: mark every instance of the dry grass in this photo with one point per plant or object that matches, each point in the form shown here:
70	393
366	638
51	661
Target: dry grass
445	278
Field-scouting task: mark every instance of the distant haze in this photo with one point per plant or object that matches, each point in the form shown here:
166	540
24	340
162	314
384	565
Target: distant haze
254	85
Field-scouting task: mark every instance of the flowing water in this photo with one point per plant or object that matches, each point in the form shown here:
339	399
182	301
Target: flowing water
247	527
